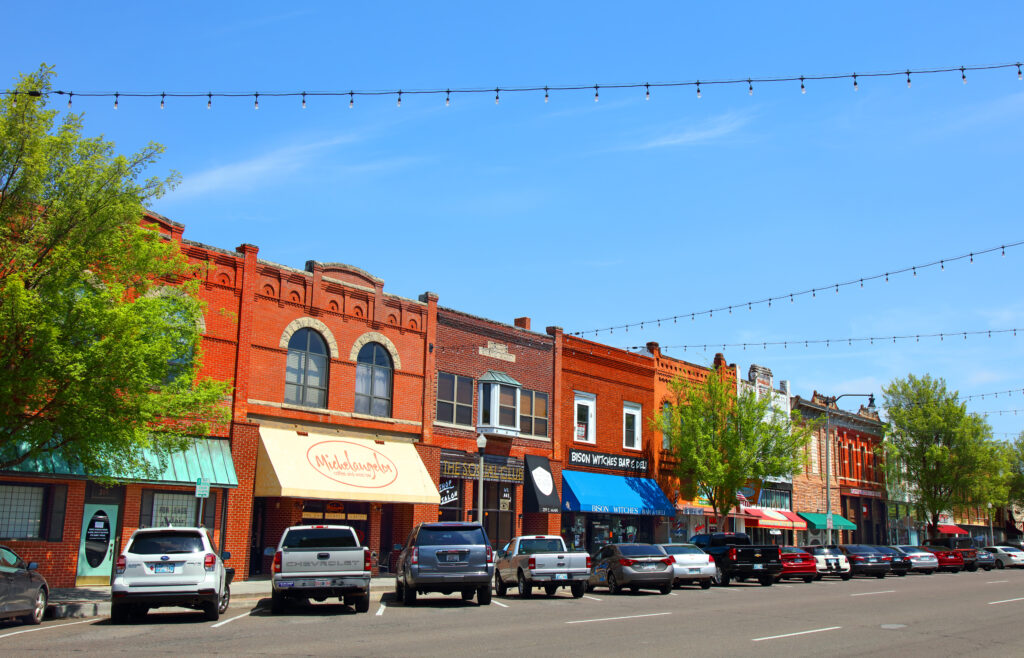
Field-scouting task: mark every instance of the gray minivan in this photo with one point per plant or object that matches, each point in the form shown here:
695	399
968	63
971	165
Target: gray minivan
446	558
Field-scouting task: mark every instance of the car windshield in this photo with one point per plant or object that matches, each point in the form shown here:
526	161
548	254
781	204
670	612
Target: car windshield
793	550
545	545
681	549
1010	549
320	538
455	536
861	548
640	550
823	550
909	549
166	542
886	549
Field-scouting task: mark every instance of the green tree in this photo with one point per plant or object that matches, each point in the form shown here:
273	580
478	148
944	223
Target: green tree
97	361
943	456
1015	471
723	441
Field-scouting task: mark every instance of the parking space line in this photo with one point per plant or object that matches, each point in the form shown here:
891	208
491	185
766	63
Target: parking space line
781	585
587	621
884	591
672	594
1006	601
993	582
498	603
777	637
381	609
592	598
226	621
47	628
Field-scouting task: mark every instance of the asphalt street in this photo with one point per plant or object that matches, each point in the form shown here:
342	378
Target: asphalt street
939	615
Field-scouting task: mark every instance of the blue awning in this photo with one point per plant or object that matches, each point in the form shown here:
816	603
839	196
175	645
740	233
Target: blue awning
613	494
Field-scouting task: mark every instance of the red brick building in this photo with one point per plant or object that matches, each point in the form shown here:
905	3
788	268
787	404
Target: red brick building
497	381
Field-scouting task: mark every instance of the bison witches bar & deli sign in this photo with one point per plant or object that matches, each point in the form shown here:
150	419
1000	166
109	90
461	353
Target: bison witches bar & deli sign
605	460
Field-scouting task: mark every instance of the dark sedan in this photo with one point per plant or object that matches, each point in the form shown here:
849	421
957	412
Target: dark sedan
23	592
866	560
900	564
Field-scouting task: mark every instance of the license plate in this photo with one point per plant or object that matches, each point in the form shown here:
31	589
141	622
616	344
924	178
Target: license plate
285	583
453	557
561	576
647	566
163	568
832	564
694	570
758	566
321	582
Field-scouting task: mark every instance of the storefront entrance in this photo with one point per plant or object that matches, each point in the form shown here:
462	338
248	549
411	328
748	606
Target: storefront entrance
499	512
97	548
590	532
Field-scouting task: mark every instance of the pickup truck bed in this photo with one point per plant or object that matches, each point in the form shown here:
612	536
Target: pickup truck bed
318	562
540	560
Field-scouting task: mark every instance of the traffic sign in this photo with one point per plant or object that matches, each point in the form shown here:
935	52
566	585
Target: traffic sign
828	521
202	487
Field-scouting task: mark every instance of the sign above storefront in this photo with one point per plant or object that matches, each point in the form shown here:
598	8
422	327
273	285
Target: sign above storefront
354	464
612	462
870	493
465	466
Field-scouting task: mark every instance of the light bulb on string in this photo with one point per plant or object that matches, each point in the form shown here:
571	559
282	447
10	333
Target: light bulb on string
1019	75
256	102
856	87
915	270
908	79
1003	254
698	89
837	288
497	99
399	104
545	94
351	100
303	100
963	75
862	283
942	265
162	100
209	100
803	89
972	257
70	94
447	97
750	87
887	277
116	95
596	96
647	96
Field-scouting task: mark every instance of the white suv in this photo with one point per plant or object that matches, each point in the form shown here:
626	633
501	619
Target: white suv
170	567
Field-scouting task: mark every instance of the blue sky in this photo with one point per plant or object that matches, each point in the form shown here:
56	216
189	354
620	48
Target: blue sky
584	214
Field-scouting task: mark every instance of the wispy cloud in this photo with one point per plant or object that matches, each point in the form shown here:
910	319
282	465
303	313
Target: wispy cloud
251	173
714	128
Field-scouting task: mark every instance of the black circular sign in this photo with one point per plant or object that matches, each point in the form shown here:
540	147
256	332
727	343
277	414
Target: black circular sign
97	539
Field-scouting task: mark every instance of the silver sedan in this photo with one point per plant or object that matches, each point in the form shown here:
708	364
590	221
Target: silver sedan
690	565
921	560
636	566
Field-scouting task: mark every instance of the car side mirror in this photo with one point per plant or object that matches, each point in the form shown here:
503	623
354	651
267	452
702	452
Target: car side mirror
269	551
397	547
225	555
32	566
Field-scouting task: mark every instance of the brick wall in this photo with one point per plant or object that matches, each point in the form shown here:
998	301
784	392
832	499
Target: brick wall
58	561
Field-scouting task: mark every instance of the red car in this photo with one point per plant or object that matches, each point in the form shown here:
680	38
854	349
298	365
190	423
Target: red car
797	563
949	559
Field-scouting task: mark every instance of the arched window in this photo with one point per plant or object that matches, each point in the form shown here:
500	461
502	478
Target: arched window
306	377
373	380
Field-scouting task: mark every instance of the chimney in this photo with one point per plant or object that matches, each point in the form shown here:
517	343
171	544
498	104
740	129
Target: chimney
654	348
522	323
784	386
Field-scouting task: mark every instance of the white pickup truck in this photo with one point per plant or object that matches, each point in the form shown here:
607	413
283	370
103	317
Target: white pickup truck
540	560
317	562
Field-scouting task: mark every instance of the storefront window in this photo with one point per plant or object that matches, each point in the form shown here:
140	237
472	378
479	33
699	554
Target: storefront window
499	512
21	512
173	509
590	532
451	500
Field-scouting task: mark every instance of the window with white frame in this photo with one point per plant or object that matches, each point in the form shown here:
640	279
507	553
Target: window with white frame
499	406
585	415
631	426
21	512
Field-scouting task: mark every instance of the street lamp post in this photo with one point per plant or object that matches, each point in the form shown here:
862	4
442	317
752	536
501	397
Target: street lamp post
828	458
991	539
481	444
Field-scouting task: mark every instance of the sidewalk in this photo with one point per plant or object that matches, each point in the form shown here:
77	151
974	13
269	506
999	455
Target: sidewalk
95	601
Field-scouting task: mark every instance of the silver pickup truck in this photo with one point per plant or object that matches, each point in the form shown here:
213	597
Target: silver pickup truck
317	562
540	560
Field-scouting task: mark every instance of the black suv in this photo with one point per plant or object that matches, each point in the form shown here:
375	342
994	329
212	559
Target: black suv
446	558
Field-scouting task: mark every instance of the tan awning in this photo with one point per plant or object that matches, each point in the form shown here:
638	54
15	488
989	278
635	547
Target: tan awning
340	468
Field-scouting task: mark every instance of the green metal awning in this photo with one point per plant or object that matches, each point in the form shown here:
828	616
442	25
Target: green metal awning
498	377
820	521
209	458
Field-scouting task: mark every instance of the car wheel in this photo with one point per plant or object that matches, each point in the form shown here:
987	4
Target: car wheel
525	587
363	603
550	589
137	613
211	610
483	594
1000	565
613	585
467	594
879	576
38	610
277	603
225	599
809	579
500	588
705	584
955	570
118	613
987	568
900	573
665	589
766	581
720	578
929	572
578	589
408	594
846	576
818	577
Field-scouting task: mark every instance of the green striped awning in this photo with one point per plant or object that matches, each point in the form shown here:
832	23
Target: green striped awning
209	458
820	521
